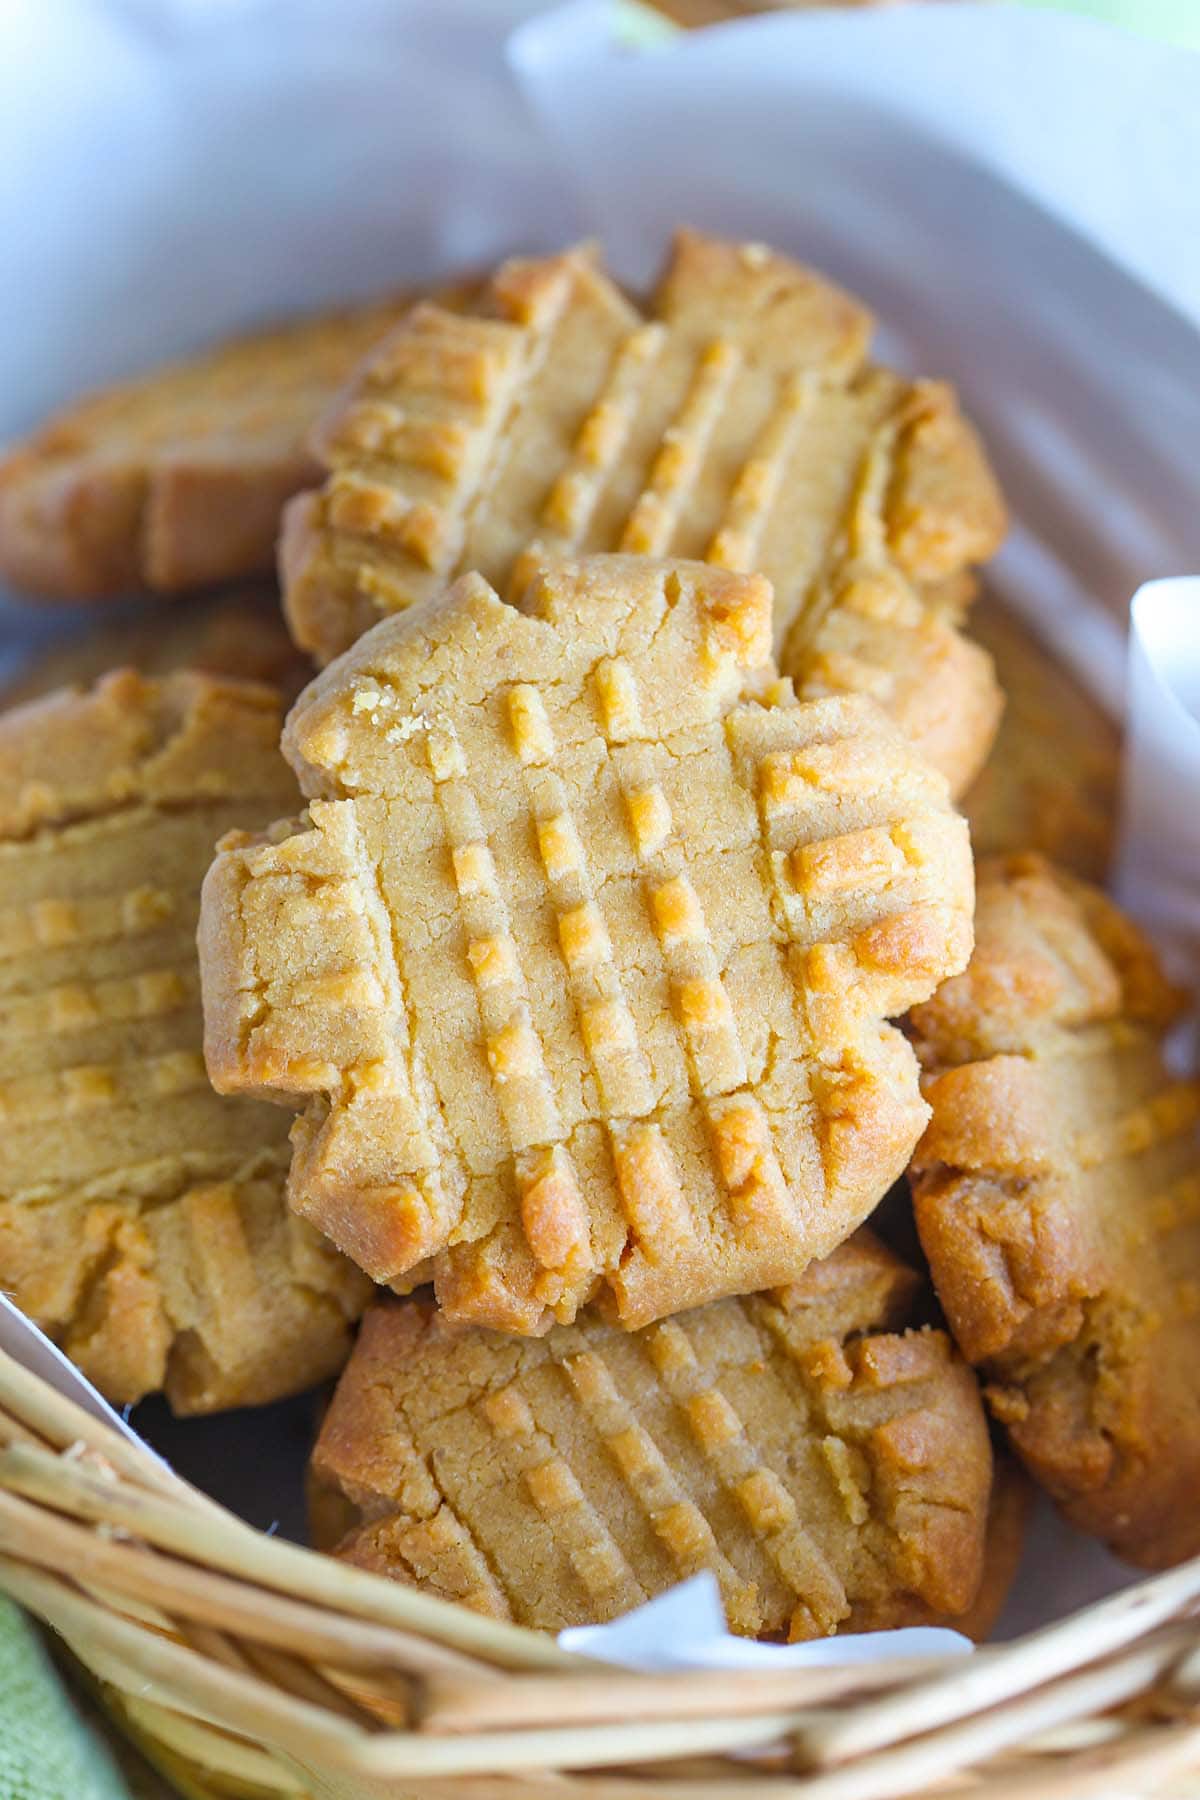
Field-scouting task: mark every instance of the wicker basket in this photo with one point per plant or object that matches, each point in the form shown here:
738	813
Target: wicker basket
249	1667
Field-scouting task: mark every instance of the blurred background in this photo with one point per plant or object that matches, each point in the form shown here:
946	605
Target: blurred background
1176	20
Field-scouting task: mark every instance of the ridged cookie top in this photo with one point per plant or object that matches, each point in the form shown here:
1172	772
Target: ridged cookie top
189	741
1057	1192
827	1471
581	962
176	479
735	420
142	1220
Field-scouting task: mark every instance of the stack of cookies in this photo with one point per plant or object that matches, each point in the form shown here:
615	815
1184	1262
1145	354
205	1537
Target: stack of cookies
610	942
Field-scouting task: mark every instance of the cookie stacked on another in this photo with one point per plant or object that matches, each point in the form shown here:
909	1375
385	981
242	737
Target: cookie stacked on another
831	1470
580	964
735	418
1057	1194
142	1218
628	832
176	481
581	961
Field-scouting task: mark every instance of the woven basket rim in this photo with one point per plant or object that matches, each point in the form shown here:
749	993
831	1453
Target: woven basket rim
246	1665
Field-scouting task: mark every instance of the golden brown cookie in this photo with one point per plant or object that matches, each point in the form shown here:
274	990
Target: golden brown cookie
736	419
240	633
1051	782
831	1471
1057	1192
176	480
1008	1515
579	967
142	1217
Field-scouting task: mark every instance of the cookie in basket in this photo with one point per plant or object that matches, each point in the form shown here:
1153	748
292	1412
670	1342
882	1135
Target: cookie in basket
176	480
142	1217
580	964
238	633
1051	780
1009	1510
828	1468
1057	1193
735	419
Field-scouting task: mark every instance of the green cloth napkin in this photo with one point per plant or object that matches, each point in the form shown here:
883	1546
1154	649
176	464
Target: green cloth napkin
46	1752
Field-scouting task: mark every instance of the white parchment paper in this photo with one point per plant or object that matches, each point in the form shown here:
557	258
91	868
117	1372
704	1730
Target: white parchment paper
1015	193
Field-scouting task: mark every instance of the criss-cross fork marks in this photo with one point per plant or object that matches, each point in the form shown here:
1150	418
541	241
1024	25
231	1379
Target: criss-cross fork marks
100	1024
419	460
591	1469
700	1003
589	970
570	506
142	1217
54	921
739	423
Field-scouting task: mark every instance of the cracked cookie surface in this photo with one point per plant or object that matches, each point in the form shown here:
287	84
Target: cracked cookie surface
581	964
735	419
142	1217
1057	1194
831	1471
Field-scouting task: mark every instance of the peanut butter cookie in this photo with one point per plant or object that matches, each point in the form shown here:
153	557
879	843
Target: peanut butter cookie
176	480
831	1472
736	419
142	1217
1051	781
239	632
1057	1193
580	963
1008	1516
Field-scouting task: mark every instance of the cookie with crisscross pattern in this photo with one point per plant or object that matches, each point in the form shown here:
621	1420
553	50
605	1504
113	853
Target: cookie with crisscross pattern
142	1217
736	419
830	1470
580	963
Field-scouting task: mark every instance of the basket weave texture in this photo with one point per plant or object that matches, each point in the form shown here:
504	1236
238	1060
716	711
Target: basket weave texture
250	1667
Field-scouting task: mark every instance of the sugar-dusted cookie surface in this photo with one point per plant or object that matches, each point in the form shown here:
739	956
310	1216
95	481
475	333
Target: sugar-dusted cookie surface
828	1469
736	419
1057	1192
1051	780
581	964
176	480
142	1216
